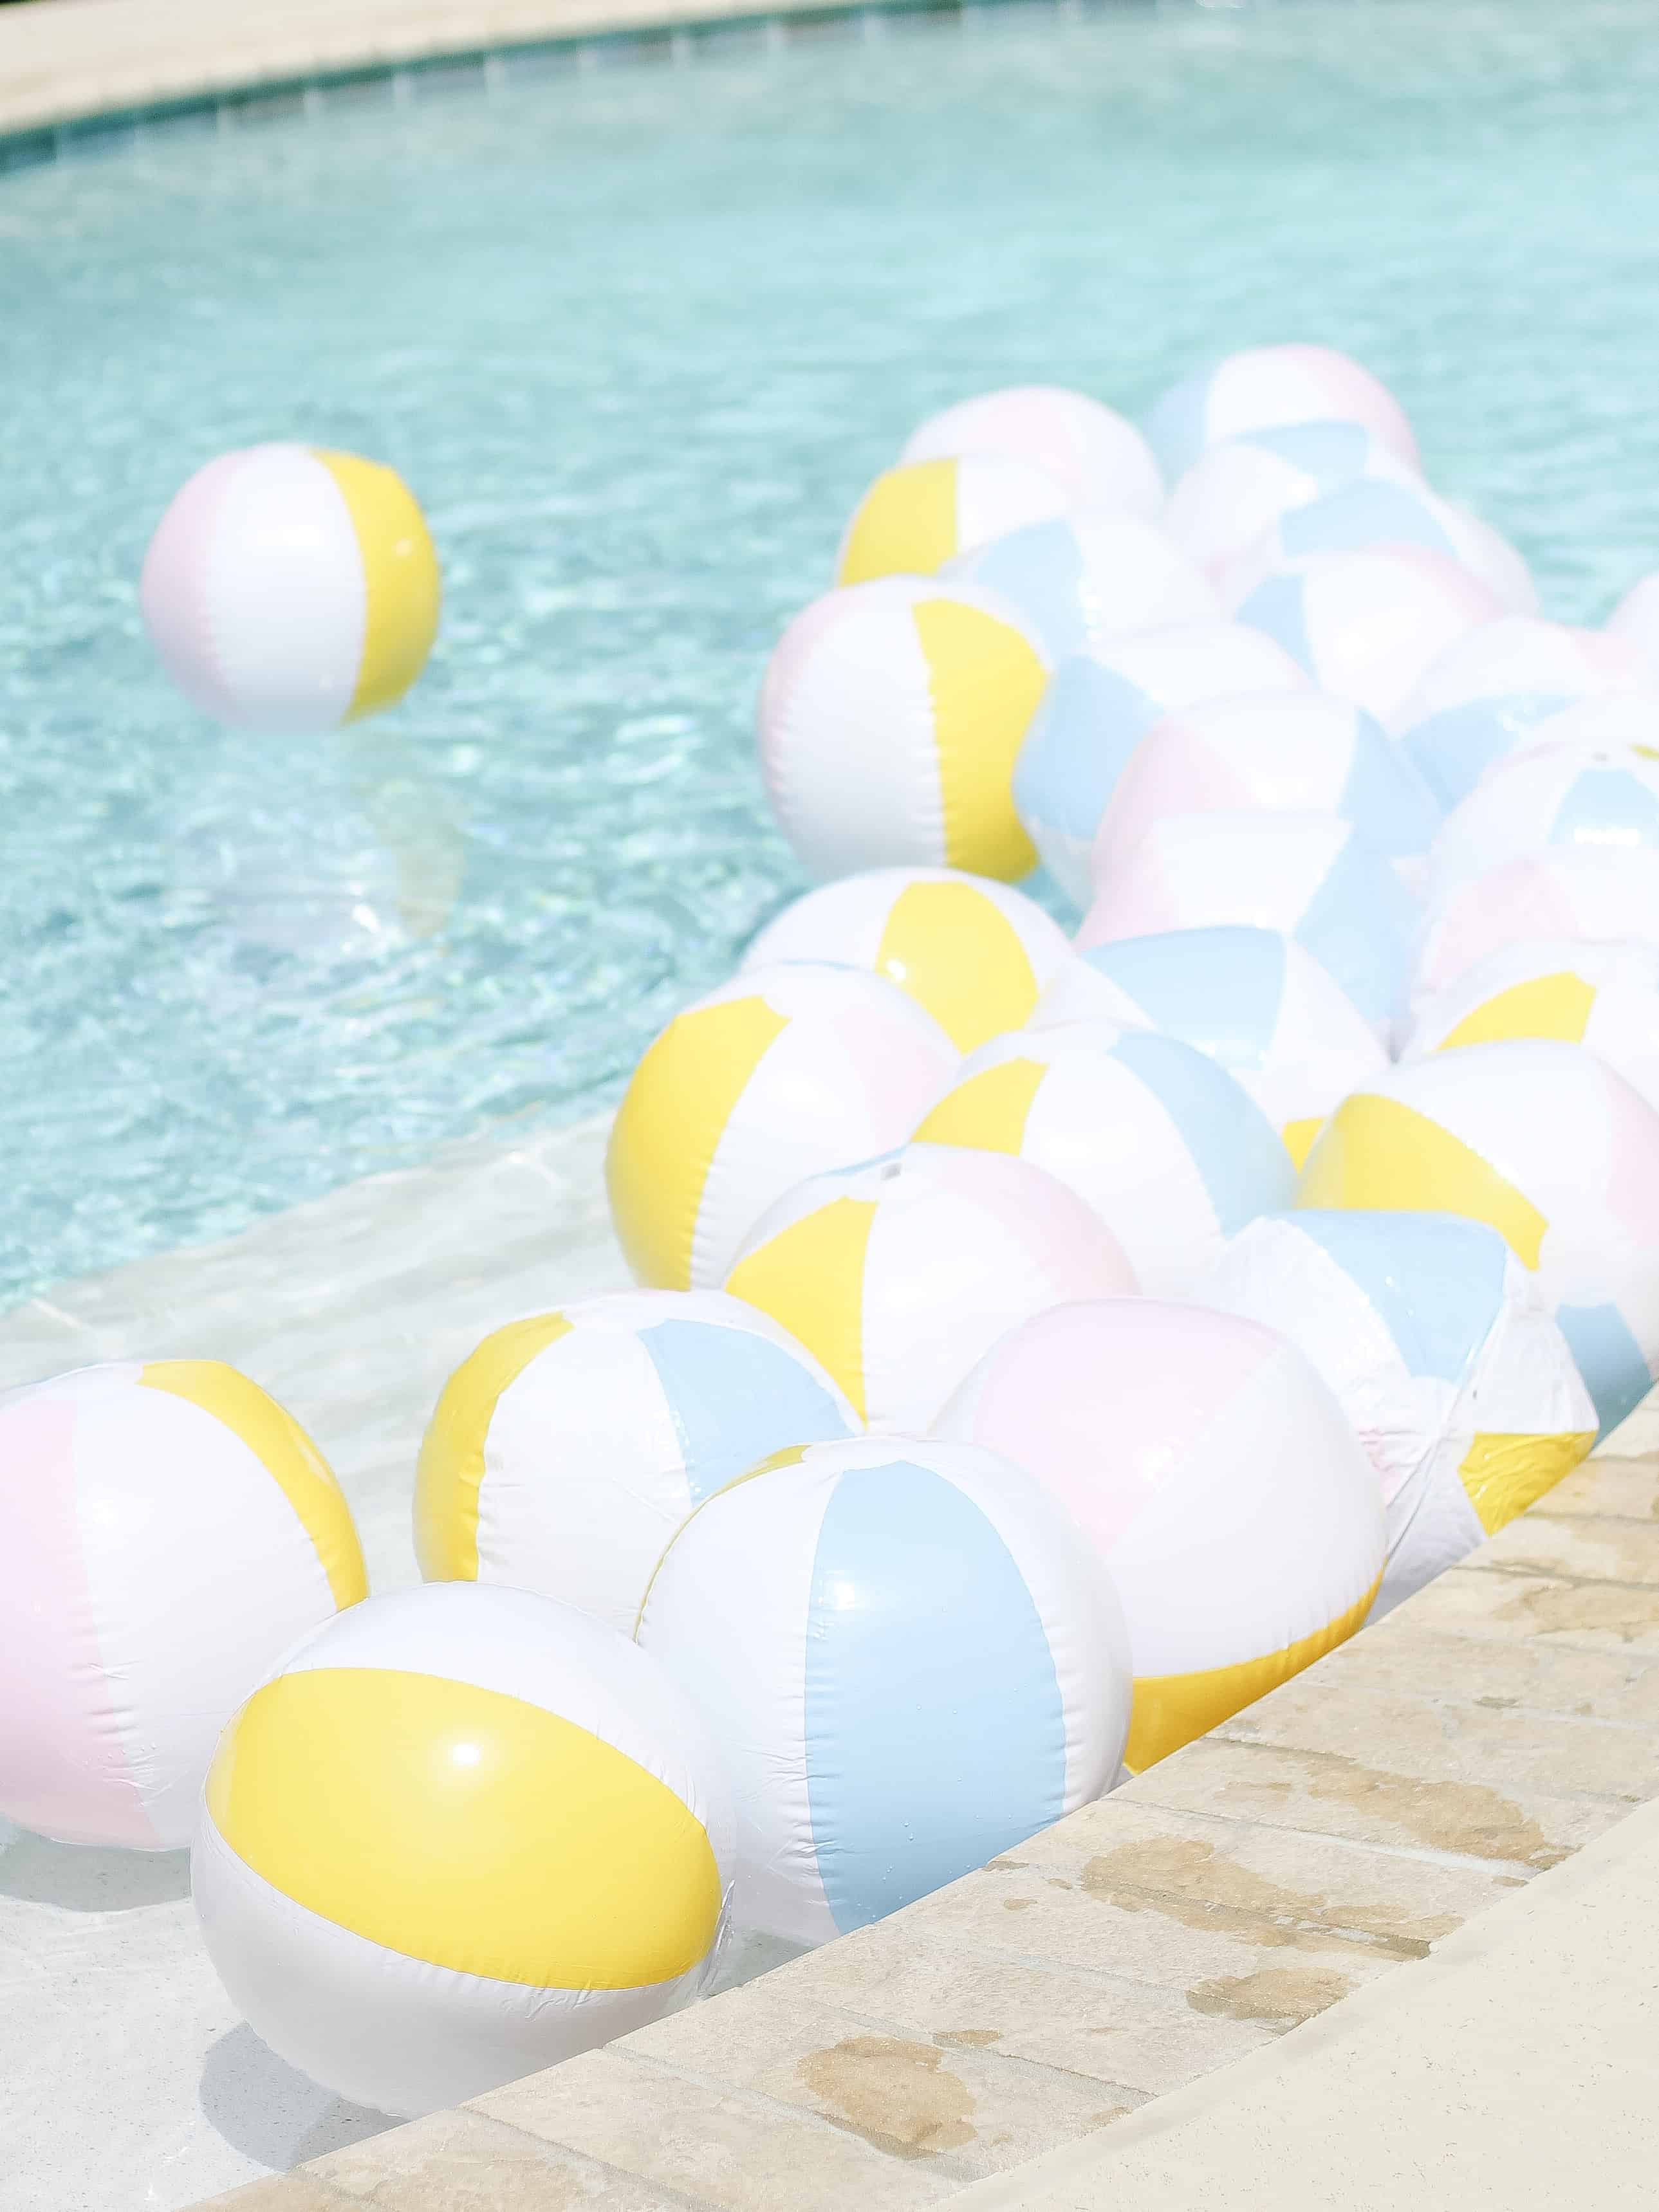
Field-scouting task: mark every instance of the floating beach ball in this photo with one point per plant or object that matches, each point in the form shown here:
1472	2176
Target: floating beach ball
1313	876
1594	798
1372	513
169	1532
1171	1153
1570	891
890	718
1214	1475
1235	491
909	1662
567	1449
1274	387
898	1274
460	1834
1084	578
1251	1000
1098	458
974	953
1439	1349
1552	1148
915	518
1603	996
1097	707
289	589
1366	625
1293	752
779	1074
1635	620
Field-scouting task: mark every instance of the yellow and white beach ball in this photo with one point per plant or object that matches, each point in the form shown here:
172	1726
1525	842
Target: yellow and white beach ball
1158	1139
917	516
1099	459
889	720
460	1834
168	1531
1557	1153
898	1274
974	953
567	1449
1215	1477
781	1072
289	589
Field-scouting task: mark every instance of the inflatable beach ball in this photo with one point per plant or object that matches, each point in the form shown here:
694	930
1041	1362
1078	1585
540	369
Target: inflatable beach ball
909	1662
1636	621
1365	625
1603	996
1269	388
779	1074
1251	1000
897	1275
1596	799
1084	578
1311	876
1435	1341
1582	892
1550	1147
973	953
169	1532
289	589
459	1834
889	719
1276	752
565	1452
1097	707
915	518
1238	490
1170	1151
1373	513
1097	457
1214	1476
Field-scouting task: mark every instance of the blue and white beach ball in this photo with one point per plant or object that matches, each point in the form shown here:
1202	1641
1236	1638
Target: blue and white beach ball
1099	705
911	1662
1373	513
1239	490
1084	578
1598	798
1274	387
567	1449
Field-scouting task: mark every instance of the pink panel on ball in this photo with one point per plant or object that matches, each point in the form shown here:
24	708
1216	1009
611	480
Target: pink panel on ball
1171	771
1503	907
172	588
1036	1210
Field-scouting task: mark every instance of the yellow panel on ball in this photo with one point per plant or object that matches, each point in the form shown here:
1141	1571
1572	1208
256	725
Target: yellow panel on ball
1378	1153
400	577
986	679
450	1467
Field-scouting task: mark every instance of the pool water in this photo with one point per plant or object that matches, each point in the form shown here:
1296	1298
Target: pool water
637	336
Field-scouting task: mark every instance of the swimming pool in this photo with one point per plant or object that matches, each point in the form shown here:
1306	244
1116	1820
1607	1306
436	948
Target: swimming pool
637	336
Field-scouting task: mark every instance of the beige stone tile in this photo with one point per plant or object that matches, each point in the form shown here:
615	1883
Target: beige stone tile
1575	1548
283	2192
461	2158
1411	1655
723	2148
1549	1610
1620	1489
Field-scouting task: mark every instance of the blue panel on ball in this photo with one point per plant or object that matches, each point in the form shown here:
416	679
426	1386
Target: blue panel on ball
1178	427
1385	797
1609	807
1038	570
1369	510
1219	988
1088	722
1276	606
1333	454
735	1399
934	1728
1609	1359
1452	750
1361	926
1435	1279
1245	1167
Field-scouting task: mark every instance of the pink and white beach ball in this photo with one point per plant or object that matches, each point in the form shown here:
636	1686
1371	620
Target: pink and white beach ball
1583	893
1272	388
1097	456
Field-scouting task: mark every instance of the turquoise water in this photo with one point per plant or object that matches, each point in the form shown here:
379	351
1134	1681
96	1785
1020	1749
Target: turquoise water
637	336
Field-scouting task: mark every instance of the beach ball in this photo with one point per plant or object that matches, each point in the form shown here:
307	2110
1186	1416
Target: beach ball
1237	490
459	1834
1268	388
974	954
915	518
567	1449
1311	876
909	1662
1436	1344
1097	457
1252	1000
1214	1475
1083	578
896	1275
1294	752
1593	797
1557	1152
1371	512
779	1074
1578	892
289	589
1603	996
1099	705
1635	620
1154	1135
1365	625
168	1532
890	718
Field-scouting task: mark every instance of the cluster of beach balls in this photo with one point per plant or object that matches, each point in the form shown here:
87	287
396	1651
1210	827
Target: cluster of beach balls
1045	1342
